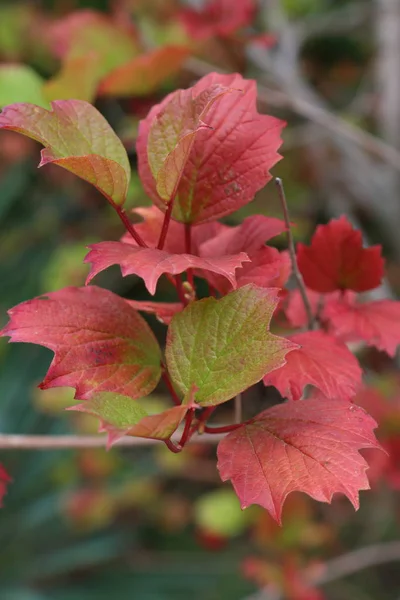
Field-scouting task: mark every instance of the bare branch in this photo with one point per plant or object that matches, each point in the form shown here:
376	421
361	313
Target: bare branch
57	442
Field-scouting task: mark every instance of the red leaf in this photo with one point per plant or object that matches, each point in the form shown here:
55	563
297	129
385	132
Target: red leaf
376	323
336	259
144	74
100	342
247	237
227	164
78	138
164	311
5	479
218	18
309	446
321	361
150	263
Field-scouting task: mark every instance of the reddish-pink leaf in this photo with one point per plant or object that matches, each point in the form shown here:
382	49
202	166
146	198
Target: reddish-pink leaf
227	164
100	342
266	269
5	479
172	134
78	138
377	323
164	311
144	74
247	237
321	361
309	446
218	18
336	259
150	263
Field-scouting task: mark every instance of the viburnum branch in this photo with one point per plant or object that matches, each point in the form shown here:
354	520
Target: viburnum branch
187	430
128	226
165	225
292	252
175	448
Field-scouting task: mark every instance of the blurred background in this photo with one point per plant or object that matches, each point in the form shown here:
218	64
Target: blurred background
87	524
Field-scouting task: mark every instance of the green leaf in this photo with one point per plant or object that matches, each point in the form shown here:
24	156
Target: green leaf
120	416
20	83
224	346
78	138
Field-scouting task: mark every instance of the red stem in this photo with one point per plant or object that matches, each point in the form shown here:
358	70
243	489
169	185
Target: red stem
173	447
188	250
223	428
187	433
128	226
169	385
165	225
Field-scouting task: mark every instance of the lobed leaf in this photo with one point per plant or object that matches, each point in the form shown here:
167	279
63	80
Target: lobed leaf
100	343
151	263
321	361
224	346
228	162
336	259
309	446
78	138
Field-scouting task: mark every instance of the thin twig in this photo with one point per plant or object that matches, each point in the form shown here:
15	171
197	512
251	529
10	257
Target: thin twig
292	251
58	442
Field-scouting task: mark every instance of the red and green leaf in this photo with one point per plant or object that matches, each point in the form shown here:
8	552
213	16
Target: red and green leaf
310	446
172	135
120	416
78	138
100	343
228	161
224	346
